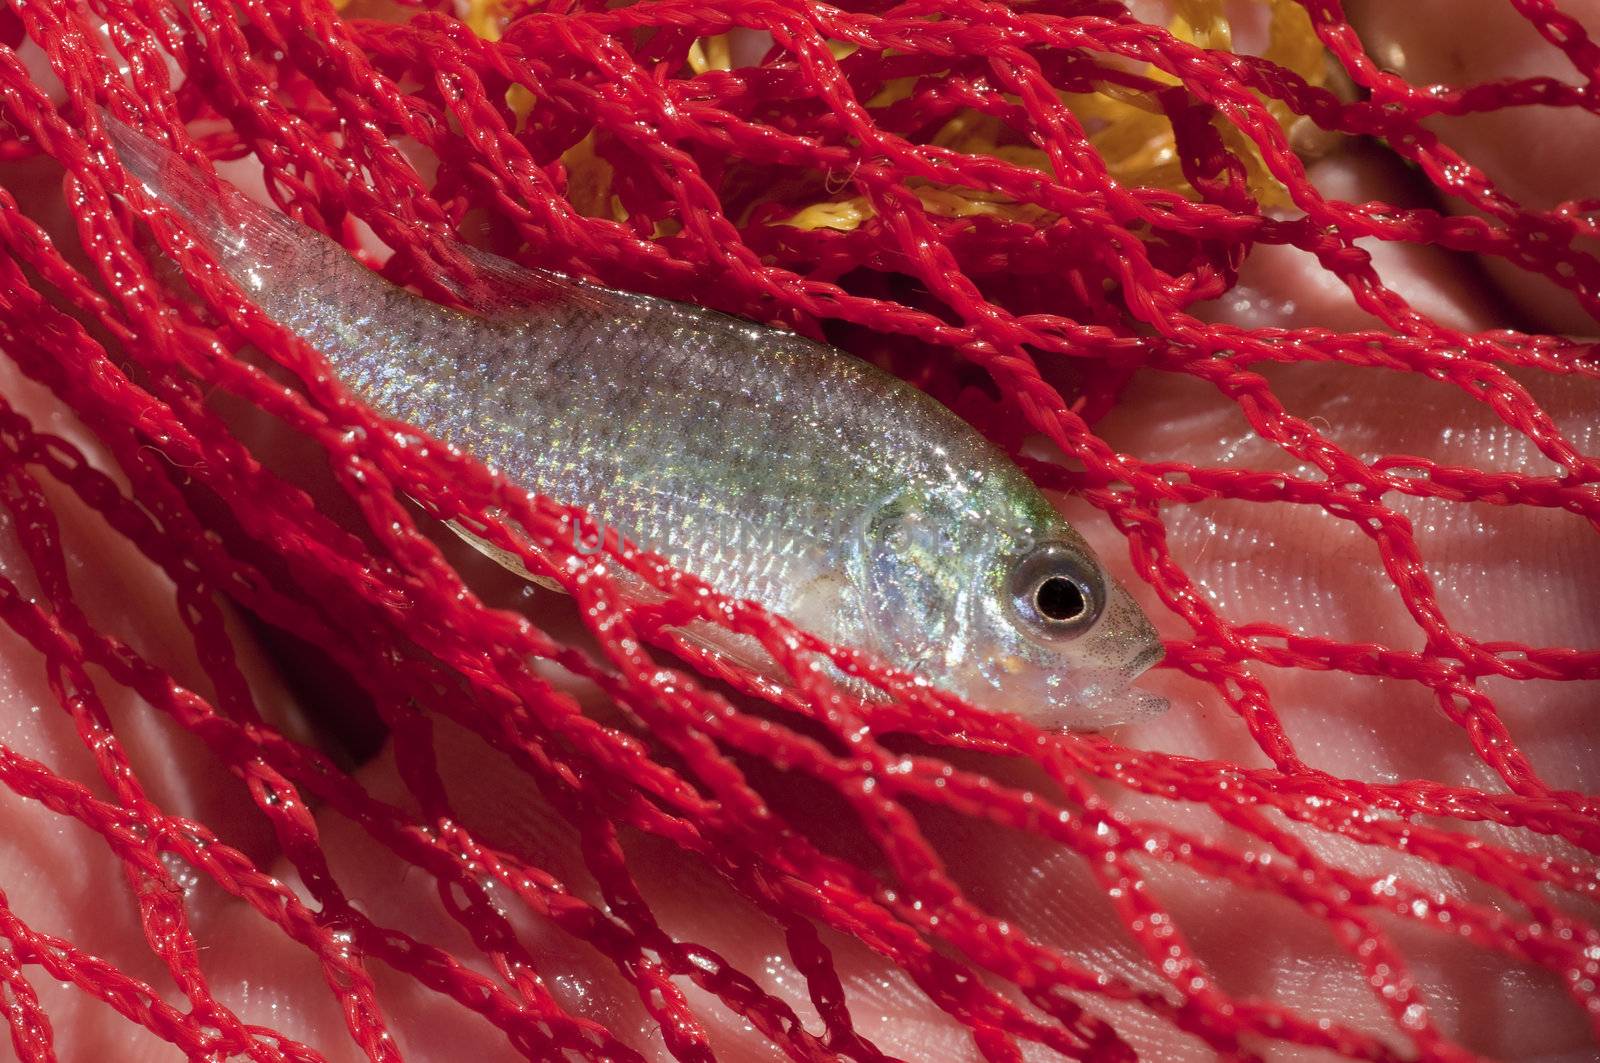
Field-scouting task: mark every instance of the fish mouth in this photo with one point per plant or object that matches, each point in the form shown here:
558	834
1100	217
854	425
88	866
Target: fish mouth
1147	704
1147	660
1105	711
1101	698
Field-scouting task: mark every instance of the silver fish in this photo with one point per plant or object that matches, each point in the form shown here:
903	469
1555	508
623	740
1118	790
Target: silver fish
775	468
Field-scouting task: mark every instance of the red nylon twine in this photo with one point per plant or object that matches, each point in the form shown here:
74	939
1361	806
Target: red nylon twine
1030	321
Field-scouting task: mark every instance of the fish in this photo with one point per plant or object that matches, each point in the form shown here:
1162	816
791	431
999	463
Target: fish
773	467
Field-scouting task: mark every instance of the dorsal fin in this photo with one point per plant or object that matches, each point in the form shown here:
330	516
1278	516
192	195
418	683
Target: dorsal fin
256	245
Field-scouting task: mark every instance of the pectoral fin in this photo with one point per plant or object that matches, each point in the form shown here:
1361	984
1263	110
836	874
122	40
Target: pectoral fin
505	558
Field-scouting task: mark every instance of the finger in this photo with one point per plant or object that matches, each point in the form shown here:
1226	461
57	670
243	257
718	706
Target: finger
1296	566
1538	156
80	728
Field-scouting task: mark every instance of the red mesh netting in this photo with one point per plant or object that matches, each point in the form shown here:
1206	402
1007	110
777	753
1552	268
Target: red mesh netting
583	138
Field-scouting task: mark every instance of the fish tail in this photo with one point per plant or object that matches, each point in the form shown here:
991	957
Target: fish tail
287	267
265	252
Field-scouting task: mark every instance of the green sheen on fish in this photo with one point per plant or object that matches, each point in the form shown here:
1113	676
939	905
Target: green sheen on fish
773	467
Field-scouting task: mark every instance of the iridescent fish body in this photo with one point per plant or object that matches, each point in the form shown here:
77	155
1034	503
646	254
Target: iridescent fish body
775	468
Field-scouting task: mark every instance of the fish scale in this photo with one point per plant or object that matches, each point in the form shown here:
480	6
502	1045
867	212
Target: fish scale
687	490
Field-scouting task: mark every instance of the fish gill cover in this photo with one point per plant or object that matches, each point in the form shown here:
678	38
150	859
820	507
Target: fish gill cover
1022	208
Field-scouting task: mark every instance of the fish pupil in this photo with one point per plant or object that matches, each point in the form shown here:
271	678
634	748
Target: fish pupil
1060	599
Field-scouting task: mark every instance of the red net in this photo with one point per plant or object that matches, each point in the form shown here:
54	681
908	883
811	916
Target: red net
1029	282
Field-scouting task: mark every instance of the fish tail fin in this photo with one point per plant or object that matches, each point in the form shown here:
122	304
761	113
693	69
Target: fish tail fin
277	259
265	252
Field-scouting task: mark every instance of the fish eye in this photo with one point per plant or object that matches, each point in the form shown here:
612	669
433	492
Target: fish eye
1056	592
1060	600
